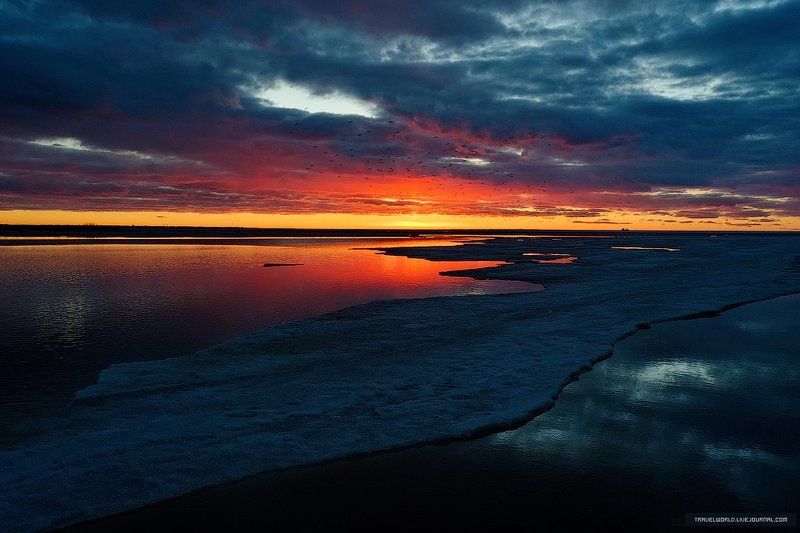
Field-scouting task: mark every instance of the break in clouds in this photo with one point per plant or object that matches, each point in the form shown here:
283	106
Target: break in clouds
682	111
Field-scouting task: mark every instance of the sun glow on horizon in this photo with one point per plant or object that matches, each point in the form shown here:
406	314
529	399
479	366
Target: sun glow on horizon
615	221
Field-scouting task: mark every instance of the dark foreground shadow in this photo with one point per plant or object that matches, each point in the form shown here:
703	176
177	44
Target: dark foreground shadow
689	416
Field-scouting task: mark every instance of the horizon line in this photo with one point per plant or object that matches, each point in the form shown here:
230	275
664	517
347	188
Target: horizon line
87	226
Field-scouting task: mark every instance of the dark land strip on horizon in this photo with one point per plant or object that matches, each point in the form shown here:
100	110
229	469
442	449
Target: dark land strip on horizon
128	232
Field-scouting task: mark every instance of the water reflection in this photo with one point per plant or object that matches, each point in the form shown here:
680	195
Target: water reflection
68	311
551	258
701	407
660	248
689	416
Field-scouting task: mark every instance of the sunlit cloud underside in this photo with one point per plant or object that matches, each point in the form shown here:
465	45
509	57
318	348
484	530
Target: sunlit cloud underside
577	115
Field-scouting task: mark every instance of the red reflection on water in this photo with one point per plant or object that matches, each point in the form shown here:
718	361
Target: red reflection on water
68	311
551	258
209	292
333	275
227	286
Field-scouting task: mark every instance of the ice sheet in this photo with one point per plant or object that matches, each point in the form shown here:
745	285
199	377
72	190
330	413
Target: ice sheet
372	377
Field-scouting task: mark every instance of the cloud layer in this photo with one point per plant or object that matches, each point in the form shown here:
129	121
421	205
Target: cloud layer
679	111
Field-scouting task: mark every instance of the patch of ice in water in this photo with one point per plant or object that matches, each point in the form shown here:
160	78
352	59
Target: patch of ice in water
371	377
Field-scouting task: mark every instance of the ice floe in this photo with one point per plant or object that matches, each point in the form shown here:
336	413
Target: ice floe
371	377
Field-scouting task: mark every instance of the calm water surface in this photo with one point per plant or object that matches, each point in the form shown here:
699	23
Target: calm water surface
69	311
689	417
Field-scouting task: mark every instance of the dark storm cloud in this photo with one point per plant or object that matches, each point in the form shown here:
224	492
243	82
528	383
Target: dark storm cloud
264	21
592	99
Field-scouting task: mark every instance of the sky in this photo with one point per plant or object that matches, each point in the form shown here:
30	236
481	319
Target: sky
650	114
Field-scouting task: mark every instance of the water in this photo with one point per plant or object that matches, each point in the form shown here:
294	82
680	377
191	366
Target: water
69	311
688	417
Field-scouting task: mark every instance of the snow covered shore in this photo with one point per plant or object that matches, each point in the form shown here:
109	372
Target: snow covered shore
372	377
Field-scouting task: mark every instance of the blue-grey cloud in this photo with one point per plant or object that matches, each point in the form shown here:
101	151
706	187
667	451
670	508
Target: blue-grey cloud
600	100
